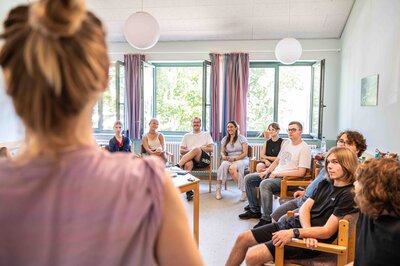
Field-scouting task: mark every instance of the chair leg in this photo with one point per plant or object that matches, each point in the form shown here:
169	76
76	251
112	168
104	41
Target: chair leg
342	259
225	185
209	182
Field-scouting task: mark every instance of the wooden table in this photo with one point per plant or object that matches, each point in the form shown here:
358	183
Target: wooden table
184	185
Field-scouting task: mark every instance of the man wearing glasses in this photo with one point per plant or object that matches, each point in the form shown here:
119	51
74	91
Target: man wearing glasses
293	160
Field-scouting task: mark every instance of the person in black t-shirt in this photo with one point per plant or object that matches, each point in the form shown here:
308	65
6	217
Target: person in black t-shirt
271	148
378	197
318	217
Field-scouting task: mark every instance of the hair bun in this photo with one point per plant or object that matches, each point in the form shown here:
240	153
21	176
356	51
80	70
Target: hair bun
57	18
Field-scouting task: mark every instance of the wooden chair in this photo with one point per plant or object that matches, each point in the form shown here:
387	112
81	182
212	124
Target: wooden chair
208	170
170	156
250	154
291	181
343	247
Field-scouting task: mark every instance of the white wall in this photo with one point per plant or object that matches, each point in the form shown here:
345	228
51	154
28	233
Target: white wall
371	45
259	50
11	128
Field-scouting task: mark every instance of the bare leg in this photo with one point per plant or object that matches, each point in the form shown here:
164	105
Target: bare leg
243	242
234	172
189	166
258	255
193	154
260	167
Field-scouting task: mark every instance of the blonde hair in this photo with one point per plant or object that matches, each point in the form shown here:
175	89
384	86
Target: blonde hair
348	161
55	60
118	122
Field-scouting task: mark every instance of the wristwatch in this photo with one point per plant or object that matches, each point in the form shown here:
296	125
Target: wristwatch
296	232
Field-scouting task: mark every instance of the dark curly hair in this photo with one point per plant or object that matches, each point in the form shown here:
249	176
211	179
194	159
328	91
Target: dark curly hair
378	190
357	138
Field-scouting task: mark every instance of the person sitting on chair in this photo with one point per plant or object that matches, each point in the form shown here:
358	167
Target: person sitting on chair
353	140
377	192
293	160
119	142
270	148
318	218
195	150
153	141
234	155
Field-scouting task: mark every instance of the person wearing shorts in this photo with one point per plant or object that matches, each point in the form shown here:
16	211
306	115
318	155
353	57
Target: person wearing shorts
195	150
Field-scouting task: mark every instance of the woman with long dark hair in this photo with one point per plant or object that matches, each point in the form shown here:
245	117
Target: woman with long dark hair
235	161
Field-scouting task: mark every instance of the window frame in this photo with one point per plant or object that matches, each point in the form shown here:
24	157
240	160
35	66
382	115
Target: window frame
201	64
276	65
100	130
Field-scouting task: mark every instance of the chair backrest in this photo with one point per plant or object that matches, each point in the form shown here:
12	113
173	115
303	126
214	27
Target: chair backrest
142	149
250	151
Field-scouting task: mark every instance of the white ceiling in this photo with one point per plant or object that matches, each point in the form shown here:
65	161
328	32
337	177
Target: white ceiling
182	20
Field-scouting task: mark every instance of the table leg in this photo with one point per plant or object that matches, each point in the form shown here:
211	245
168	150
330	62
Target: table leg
196	204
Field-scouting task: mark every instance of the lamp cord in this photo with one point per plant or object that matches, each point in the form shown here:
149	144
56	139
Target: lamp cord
288	32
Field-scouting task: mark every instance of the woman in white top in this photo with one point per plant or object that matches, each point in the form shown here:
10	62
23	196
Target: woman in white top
235	161
153	141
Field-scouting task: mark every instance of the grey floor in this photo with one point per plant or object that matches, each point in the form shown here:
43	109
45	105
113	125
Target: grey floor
219	222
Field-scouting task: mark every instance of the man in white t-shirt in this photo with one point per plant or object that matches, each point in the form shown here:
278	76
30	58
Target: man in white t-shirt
195	149
293	160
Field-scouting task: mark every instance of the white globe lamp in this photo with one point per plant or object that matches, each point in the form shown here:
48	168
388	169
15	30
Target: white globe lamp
141	30
288	51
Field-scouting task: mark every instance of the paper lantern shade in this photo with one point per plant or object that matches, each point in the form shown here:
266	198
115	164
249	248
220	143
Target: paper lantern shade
288	51
141	30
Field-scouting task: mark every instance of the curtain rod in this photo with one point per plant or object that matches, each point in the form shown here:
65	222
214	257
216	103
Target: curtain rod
337	50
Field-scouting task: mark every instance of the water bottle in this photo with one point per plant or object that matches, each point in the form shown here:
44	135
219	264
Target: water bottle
323	146
376	154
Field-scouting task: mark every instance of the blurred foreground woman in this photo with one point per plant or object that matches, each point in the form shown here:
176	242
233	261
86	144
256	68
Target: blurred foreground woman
63	201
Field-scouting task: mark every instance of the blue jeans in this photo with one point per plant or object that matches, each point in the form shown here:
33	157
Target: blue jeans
267	189
252	181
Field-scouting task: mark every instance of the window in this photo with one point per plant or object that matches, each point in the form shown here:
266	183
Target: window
283	94
260	99
111	105
181	92
294	96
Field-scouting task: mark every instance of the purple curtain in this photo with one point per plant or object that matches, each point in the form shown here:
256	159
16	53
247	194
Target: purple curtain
133	79
236	78
216	64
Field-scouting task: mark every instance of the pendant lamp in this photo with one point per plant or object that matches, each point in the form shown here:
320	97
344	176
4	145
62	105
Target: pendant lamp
141	30
288	50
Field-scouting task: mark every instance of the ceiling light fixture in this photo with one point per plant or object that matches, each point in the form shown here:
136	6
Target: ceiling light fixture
288	50
141	30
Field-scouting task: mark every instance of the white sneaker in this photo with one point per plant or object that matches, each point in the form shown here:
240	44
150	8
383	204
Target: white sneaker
218	195
243	197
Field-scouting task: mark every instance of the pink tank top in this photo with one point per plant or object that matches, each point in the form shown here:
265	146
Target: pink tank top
90	207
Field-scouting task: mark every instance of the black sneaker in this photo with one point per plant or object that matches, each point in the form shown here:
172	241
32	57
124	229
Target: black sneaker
249	214
247	207
261	223
189	195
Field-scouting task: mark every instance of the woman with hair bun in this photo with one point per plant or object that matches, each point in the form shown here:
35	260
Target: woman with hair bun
63	201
